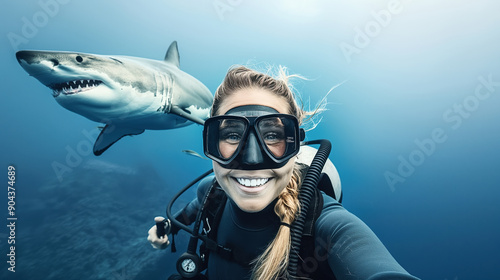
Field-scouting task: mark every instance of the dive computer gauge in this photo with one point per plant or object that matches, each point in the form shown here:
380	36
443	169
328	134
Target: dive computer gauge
188	265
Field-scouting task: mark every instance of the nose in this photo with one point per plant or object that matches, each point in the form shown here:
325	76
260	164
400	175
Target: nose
252	154
33	57
23	55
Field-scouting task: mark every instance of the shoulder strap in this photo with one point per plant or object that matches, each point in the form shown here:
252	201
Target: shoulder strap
211	216
212	209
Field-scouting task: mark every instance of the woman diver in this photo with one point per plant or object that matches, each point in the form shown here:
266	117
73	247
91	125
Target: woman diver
253	138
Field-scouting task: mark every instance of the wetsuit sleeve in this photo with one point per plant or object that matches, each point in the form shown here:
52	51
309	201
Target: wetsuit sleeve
353	250
188	214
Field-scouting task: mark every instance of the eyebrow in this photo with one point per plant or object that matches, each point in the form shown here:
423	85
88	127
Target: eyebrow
275	121
230	123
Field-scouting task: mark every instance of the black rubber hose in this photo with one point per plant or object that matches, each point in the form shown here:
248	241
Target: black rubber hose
169	207
305	196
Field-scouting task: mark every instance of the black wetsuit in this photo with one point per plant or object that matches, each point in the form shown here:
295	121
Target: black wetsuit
344	244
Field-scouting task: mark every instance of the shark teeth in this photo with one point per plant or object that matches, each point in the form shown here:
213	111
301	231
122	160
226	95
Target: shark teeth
252	182
73	87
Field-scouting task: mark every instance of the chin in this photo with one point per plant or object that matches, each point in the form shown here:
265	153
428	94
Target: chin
250	206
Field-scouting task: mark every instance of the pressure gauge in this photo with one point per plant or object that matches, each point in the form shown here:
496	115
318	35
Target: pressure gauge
188	265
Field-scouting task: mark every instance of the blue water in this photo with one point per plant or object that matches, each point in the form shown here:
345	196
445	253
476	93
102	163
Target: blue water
407	109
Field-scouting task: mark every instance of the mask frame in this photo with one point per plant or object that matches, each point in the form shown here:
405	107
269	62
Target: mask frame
252	151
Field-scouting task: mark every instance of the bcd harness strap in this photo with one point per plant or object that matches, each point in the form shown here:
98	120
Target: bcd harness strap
211	218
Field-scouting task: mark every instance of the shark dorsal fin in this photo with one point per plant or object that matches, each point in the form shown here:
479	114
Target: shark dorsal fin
172	55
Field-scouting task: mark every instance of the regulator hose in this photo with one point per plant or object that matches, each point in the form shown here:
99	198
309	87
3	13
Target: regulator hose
173	220
307	191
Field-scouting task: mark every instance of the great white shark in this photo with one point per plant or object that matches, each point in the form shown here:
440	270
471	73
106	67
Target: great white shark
128	94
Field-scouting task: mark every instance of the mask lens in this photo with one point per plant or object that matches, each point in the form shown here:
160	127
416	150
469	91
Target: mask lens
278	133
272	132
231	132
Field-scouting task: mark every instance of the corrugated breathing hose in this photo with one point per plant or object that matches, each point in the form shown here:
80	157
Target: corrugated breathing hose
307	191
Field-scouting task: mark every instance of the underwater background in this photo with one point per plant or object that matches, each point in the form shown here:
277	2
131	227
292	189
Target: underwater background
415	126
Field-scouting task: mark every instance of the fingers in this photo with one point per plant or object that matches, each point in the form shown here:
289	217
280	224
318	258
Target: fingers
158	242
159	219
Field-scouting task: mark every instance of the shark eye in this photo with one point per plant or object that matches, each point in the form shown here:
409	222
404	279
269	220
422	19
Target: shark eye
79	58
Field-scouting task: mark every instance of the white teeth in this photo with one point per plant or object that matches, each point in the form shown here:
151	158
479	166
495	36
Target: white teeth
252	182
75	86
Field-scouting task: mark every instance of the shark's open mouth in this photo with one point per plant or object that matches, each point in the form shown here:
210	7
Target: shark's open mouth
73	87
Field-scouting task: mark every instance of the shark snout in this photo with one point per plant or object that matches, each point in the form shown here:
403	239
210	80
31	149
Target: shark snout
28	56
32	57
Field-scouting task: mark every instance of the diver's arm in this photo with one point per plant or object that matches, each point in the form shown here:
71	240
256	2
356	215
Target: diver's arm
352	247
186	216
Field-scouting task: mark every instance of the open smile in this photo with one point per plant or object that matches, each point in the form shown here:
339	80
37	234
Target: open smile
252	186
73	87
252	182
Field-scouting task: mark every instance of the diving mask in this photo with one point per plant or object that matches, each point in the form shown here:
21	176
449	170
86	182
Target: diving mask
252	137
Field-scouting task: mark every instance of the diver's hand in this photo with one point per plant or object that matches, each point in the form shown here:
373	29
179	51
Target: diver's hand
158	242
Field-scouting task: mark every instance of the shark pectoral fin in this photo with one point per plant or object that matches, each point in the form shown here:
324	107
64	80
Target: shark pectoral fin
110	134
178	111
172	55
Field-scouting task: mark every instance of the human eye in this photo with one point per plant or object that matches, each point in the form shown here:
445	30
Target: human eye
231	131
231	134
272	137
231	138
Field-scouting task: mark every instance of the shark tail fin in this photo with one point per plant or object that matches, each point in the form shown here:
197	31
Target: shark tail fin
172	55
110	135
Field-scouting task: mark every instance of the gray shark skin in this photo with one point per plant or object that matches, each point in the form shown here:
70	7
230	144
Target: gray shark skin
128	94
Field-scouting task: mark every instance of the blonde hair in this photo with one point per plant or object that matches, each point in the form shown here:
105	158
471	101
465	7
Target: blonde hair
241	77
273	262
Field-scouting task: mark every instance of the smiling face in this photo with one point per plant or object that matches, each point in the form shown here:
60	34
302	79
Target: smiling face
253	190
